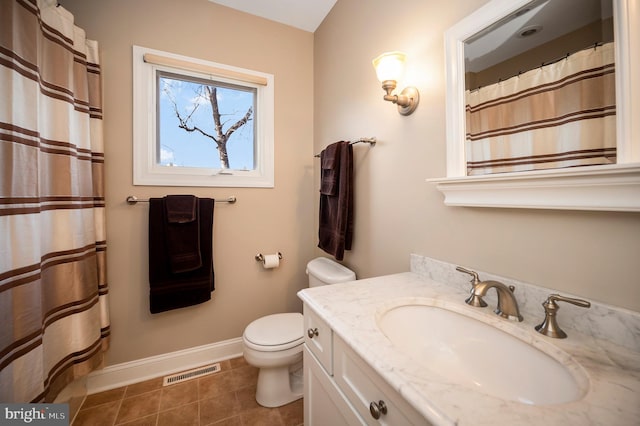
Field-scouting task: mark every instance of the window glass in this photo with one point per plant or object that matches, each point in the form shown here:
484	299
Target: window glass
205	123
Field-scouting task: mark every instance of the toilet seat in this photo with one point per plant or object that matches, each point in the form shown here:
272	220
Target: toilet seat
275	332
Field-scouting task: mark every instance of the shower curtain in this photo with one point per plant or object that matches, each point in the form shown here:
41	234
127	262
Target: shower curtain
559	115
54	324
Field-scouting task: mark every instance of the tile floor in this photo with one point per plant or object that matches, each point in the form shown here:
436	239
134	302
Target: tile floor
224	398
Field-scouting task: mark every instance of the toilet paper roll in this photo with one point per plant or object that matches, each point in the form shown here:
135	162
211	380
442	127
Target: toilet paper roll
271	261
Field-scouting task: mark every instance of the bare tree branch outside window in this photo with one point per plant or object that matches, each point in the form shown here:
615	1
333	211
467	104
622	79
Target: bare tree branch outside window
209	113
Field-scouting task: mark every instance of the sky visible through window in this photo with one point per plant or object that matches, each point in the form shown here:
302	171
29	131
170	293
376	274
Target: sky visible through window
177	147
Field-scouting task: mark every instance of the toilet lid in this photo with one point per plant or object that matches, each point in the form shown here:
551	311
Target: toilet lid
276	332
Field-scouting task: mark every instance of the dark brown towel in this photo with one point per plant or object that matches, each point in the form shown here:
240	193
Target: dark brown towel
180	208
335	232
182	232
330	169
168	289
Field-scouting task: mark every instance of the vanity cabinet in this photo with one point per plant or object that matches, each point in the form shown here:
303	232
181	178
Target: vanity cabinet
318	337
341	389
324	404
367	392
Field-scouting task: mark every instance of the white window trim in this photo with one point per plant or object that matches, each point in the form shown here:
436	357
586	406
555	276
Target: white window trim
146	171
610	188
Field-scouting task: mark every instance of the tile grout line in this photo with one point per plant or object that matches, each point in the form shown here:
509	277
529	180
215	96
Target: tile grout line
115	420
198	397
75	416
158	412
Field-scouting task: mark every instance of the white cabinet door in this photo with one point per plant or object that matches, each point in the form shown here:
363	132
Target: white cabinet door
364	388
324	404
318	338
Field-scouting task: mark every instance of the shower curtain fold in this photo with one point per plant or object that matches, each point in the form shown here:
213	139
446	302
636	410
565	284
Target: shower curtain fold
54	324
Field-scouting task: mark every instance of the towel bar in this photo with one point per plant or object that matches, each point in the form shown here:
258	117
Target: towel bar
132	199
370	141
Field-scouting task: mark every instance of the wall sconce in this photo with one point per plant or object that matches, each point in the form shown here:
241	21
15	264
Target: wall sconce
389	68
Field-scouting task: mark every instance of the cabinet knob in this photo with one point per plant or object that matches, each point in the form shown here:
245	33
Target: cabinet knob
377	409
312	332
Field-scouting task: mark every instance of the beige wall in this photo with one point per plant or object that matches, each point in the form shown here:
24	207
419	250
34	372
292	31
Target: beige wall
263	220
590	254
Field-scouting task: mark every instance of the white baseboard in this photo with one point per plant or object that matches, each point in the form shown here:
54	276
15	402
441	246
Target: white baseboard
139	370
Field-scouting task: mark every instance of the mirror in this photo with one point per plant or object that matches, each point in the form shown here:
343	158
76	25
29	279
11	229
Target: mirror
595	187
540	89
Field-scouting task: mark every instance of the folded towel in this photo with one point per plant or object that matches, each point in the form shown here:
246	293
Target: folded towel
180	208
335	232
169	289
329	169
182	231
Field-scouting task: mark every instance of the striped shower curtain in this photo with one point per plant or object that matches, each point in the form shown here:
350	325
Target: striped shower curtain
54	324
558	115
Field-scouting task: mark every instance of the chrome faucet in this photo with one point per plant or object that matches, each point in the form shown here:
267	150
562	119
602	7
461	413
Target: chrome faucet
507	303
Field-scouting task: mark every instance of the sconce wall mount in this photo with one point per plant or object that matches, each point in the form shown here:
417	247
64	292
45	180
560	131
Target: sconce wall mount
389	67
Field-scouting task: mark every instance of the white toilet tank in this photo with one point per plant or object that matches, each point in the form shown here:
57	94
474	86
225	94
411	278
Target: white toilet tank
323	271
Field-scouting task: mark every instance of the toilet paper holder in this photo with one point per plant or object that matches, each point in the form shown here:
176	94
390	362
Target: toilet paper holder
260	257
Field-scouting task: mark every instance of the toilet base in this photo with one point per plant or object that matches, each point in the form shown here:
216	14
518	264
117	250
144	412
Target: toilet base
278	386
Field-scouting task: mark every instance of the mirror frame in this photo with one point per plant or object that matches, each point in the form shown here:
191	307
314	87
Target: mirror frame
613	187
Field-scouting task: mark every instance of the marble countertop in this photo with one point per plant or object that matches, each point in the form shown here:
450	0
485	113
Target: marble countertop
350	309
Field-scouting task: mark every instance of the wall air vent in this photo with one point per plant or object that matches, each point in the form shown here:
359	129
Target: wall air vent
190	374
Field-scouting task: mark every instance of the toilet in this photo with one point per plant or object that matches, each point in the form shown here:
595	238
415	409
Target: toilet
274	343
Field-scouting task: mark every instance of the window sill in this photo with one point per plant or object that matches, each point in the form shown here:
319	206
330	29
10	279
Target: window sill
604	188
185	176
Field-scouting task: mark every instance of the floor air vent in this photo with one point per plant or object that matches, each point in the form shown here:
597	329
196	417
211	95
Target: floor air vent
191	374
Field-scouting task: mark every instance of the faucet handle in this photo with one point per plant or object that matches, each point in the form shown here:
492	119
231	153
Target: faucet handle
578	302
475	280
473	299
549	327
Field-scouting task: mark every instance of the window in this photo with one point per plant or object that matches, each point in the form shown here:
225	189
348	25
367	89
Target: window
199	123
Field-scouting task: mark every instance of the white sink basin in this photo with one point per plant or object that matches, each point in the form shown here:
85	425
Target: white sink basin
472	353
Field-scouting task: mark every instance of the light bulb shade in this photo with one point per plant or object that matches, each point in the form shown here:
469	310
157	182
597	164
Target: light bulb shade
389	66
